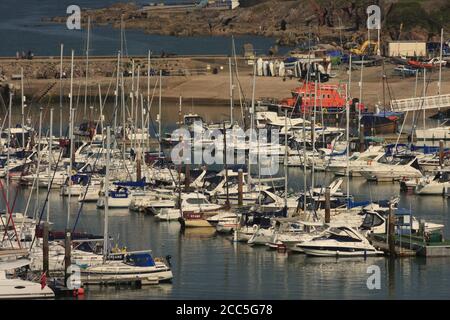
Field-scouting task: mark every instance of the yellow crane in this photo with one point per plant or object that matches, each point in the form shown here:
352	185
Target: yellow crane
368	47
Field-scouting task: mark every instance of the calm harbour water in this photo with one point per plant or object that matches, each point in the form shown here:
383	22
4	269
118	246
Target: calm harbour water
210	266
22	29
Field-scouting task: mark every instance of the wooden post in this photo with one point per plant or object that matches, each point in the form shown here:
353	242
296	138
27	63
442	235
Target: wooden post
391	231
138	165
67	252
361	138
45	264
187	177
441	153
327	205
240	186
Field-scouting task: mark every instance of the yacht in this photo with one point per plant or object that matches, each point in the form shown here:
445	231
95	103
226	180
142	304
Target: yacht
289	232
16	288
339	241
376	222
120	198
399	168
438	185
125	267
192	203
439	133
356	163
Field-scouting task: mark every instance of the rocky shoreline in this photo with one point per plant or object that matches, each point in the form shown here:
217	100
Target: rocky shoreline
290	22
264	19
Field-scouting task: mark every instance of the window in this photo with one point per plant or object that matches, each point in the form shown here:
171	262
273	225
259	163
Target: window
197	201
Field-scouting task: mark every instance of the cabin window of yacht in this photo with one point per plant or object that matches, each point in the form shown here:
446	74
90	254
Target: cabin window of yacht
371	220
265	200
197	201
383	159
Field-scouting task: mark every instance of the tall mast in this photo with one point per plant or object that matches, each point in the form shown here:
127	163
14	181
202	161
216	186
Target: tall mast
347	113
285	160
159	113
116	94
9	146
105	227
50	161
423	104
360	95
383	79
252	113
313	135
22	98
38	169
101	108
440	67
87	66
231	91
61	92
148	99
132	104
71	141
137	105
305	181
122	92
142	123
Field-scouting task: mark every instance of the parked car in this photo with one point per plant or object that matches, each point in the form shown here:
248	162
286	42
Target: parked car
405	71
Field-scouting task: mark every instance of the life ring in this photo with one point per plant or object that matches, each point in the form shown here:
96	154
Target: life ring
369	162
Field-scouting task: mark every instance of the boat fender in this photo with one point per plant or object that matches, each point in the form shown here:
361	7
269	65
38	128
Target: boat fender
255	227
78	292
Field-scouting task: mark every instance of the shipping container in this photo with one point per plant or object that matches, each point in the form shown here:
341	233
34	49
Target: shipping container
407	48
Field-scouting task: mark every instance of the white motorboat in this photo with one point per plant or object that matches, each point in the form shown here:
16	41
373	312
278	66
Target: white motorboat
193	202
289	232
439	133
261	236
225	222
270	202
339	242
357	162
91	194
439	185
399	168
15	288
375	222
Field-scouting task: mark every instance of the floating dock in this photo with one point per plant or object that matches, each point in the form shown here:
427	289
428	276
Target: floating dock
406	245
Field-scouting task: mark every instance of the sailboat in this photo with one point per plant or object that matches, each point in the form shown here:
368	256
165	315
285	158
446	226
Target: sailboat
124	267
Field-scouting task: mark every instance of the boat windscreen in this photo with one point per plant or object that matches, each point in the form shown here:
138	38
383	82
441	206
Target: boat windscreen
140	260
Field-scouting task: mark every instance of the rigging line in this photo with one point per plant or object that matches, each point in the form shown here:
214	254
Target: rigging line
87	189
417	114
102	105
48	192
11	208
9	212
24	165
